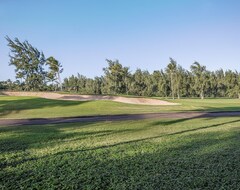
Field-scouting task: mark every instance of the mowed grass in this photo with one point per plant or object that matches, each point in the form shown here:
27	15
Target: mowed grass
33	107
146	154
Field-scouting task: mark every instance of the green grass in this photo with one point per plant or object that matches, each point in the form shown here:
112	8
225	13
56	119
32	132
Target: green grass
32	107
147	154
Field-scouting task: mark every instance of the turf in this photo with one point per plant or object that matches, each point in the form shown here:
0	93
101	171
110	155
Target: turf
32	107
147	154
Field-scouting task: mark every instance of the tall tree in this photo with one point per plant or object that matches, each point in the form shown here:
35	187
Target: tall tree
232	81
98	81
156	79
148	81
180	85
238	85
29	64
200	76
55	68
221	86
81	82
71	84
139	84
163	85
171	70
115	75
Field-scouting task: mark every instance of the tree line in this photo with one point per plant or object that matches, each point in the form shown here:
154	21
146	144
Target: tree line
173	81
36	73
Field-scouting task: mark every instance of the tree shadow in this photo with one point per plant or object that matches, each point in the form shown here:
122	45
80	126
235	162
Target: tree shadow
186	166
154	137
25	103
209	160
40	136
216	109
187	116
53	135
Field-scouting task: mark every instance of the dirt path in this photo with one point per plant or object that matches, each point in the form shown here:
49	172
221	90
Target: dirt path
56	96
182	115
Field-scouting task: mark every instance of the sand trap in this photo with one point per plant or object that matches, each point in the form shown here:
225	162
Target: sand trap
51	95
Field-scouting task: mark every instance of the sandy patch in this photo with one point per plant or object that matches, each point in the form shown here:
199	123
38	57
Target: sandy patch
56	96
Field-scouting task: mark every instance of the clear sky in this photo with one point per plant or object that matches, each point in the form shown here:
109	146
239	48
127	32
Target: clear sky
81	34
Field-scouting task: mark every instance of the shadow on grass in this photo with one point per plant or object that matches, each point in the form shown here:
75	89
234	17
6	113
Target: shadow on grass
208	162
189	160
27	136
216	109
17	105
37	137
154	137
184	116
40	136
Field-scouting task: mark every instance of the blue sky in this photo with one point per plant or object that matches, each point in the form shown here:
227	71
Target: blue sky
81	34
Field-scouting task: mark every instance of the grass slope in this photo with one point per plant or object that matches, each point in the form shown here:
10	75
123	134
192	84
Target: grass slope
32	107
148	154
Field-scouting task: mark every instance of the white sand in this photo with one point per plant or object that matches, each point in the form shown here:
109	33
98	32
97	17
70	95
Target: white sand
52	95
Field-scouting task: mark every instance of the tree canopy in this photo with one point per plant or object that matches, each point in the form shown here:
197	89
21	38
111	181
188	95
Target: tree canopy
31	66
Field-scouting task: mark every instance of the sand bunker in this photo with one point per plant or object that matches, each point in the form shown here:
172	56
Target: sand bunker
51	95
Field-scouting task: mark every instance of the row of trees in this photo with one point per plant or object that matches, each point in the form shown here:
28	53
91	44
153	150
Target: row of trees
174	81
33	70
36	73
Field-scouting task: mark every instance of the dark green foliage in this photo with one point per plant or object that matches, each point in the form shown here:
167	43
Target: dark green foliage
201	79
29	64
55	68
139	83
116	76
11	85
174	82
83	85
31	67
233	83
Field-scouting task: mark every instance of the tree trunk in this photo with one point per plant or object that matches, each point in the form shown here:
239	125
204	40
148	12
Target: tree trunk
202	95
59	80
172	86
178	92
